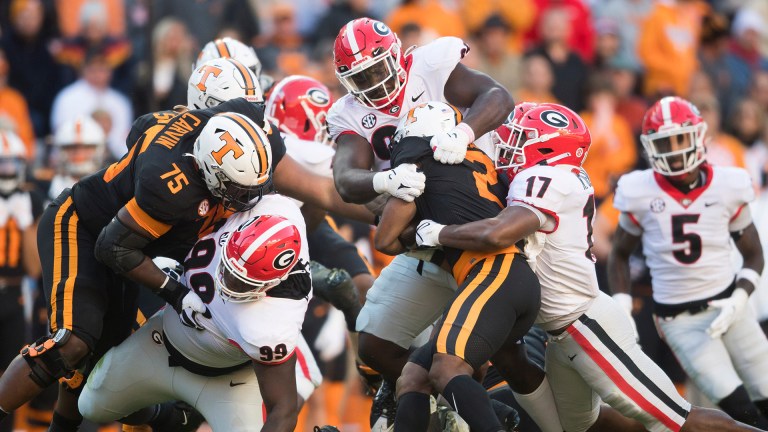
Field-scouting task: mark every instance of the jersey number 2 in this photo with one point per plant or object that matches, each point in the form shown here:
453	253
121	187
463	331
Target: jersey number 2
692	252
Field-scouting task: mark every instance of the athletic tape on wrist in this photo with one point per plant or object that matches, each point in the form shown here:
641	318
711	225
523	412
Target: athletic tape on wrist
467	129
750	275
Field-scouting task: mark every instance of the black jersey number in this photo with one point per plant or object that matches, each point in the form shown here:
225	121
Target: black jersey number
201	256
589	213
692	252
268	354
545	181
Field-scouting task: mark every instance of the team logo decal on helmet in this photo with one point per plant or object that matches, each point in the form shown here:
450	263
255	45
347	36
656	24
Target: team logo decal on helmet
319	97
381	28
284	259
554	118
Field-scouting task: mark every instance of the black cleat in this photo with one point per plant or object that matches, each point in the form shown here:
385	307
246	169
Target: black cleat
185	419
508	416
326	428
384	407
334	286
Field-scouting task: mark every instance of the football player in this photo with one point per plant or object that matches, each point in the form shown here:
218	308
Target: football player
384	83
592	354
19	213
498	296
252	273
103	231
227	47
688	215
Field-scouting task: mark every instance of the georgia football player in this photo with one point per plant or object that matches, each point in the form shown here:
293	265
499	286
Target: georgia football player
298	105
253	275
384	84
592	354
686	212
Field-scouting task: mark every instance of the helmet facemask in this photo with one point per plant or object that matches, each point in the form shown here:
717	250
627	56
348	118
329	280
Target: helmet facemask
677	150
233	287
11	174
375	81
236	197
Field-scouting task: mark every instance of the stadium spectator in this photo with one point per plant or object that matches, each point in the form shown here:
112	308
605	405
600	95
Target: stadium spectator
70	16
493	55
570	71
206	18
613	151
33	70
631	14
431	15
411	35
667	46
581	33
722	149
90	93
761	8
283	52
13	106
536	80
608	42
759	88
337	16
629	105
94	37
748	122
519	15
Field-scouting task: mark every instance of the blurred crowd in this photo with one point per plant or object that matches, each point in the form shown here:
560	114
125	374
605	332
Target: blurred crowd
609	60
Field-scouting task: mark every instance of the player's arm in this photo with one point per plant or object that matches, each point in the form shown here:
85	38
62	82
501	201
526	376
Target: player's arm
507	228
395	218
293	180
30	257
624	244
748	243
352	169
488	101
277	384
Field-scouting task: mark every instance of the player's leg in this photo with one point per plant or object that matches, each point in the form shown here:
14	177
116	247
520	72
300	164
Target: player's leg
748	348
414	390
407	297
497	303
237	408
600	345
708	363
74	284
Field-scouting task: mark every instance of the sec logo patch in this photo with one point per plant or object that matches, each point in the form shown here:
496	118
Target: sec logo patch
204	207
369	121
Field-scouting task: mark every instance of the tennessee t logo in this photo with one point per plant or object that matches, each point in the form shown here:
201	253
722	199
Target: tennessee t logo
207	71
230	145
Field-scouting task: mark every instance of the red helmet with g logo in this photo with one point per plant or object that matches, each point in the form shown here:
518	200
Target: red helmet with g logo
368	62
260	254
546	133
299	105
673	136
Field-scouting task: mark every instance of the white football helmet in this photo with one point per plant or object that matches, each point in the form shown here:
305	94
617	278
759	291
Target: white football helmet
235	160
13	155
219	80
81	142
428	119
229	48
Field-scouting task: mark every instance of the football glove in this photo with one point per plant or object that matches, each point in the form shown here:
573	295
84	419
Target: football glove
451	147
731	309
404	182
428	233
183	300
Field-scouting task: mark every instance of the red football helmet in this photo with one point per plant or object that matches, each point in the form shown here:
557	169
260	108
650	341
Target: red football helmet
368	62
299	105
258	256
541	133
673	136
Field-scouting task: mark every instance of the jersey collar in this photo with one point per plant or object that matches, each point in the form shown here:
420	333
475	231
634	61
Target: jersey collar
685	199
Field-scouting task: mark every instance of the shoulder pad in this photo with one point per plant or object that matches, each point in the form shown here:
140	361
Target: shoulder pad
442	53
737	184
340	118
630	188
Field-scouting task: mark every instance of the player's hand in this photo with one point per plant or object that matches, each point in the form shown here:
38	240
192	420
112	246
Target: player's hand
428	233
404	182
730	310
192	308
332	338
451	147
625	302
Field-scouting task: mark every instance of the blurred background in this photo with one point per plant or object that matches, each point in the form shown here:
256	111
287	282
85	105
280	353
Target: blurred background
114	60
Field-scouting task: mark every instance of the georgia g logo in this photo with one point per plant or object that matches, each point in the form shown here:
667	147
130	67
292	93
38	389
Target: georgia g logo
318	97
554	119
381	28
284	259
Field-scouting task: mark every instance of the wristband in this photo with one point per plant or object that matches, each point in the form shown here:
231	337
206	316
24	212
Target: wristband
467	129
750	275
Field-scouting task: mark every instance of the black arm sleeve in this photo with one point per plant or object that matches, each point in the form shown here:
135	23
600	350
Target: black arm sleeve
119	247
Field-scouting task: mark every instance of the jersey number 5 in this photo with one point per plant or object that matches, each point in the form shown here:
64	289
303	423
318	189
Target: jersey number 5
692	252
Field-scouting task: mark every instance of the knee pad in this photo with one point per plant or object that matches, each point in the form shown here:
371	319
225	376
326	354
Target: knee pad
47	364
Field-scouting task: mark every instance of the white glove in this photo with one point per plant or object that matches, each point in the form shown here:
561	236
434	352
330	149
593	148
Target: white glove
403	182
730	309
332	338
451	147
625	302
428	233
192	307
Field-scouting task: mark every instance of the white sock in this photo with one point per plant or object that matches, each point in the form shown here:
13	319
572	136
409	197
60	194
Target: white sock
540	405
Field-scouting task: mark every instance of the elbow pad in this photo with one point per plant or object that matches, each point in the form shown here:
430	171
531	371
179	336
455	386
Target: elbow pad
119	247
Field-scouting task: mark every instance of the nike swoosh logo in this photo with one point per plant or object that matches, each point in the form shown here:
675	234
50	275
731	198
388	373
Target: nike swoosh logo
414	99
709	204
572	357
234	384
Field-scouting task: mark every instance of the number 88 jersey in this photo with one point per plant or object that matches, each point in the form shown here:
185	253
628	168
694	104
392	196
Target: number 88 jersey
266	330
686	236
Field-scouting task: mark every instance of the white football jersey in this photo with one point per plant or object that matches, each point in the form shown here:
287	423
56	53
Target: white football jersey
686	237
312	155
266	330
431	66
560	253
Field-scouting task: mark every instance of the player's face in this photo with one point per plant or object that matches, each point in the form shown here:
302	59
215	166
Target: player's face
677	144
79	153
10	167
378	80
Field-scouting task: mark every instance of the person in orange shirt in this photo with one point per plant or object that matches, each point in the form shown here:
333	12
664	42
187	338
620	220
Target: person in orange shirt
537	80
13	106
667	45
430	15
613	150
519	15
722	149
68	12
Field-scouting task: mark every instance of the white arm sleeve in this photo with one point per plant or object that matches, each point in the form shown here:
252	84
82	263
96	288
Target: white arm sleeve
628	225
